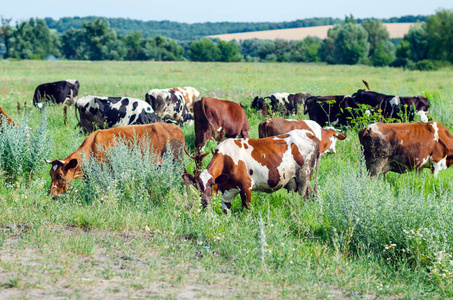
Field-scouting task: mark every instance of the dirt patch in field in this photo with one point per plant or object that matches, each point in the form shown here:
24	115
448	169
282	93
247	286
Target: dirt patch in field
111	272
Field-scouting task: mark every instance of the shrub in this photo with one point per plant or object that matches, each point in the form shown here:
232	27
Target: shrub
403	223
130	176
424	65
23	150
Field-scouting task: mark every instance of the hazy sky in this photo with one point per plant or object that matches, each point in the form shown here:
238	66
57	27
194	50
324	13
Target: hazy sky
195	11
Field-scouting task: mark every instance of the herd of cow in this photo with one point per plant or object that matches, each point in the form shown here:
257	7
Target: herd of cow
284	155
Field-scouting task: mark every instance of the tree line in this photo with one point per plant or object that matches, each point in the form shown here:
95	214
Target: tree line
189	32
427	45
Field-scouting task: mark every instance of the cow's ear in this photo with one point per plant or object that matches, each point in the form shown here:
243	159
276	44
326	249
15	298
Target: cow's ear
221	179
340	136
72	164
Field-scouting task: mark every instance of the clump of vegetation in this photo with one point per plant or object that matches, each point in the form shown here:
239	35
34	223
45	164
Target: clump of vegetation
130	176
23	149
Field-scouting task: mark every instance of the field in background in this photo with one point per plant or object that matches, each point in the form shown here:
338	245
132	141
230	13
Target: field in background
284	247
396	30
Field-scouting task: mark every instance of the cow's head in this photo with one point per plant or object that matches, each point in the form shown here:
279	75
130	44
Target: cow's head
205	183
259	103
329	140
62	173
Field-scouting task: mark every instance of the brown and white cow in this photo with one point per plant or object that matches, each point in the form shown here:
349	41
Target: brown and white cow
215	119
240	166
404	147
190	95
327	137
160	135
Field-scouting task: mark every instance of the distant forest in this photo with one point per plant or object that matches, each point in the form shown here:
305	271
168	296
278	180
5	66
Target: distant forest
187	32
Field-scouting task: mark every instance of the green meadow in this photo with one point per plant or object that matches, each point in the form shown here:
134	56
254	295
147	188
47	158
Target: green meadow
143	233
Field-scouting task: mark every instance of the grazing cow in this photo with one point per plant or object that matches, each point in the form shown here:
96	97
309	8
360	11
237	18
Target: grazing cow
5	117
390	105
216	119
169	105
110	112
160	135
58	92
190	95
240	166
403	147
327	137
328	110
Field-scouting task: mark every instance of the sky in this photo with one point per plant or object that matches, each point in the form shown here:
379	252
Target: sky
200	11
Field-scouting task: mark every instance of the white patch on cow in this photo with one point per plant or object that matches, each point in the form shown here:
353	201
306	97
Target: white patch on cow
71	81
422	116
54	167
315	128
436	131
228	197
395	101
220	129
39	105
374	128
367	112
281	97
439	166
205	176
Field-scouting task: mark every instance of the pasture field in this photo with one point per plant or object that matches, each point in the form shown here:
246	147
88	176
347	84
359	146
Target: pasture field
360	237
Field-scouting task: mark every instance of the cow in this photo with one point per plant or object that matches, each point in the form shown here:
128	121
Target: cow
190	95
287	103
109	112
64	91
216	119
391	106
419	103
162	138
327	137
6	118
259	103
240	166
169	105
329	110
404	147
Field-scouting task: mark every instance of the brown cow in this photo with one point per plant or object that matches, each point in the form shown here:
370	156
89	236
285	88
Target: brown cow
405	147
216	118
63	171
4	116
240	166
327	137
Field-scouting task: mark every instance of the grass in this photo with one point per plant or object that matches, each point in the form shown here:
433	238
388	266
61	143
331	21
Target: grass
115	245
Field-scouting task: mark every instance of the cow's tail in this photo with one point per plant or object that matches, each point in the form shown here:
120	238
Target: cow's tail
318	159
366	84
214	131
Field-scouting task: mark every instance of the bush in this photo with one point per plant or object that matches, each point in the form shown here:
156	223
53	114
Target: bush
424	65
23	150
129	176
400	224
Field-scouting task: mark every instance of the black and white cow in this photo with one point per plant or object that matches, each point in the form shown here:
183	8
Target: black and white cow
109	112
64	91
169	105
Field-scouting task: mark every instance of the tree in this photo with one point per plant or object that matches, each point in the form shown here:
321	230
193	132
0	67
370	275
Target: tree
418	40
72	44
351	44
5	34
439	29
327	47
306	50
204	50
229	51
101	42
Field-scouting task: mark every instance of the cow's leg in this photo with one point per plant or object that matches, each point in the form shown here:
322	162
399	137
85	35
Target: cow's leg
303	180
246	197
245	134
291	186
